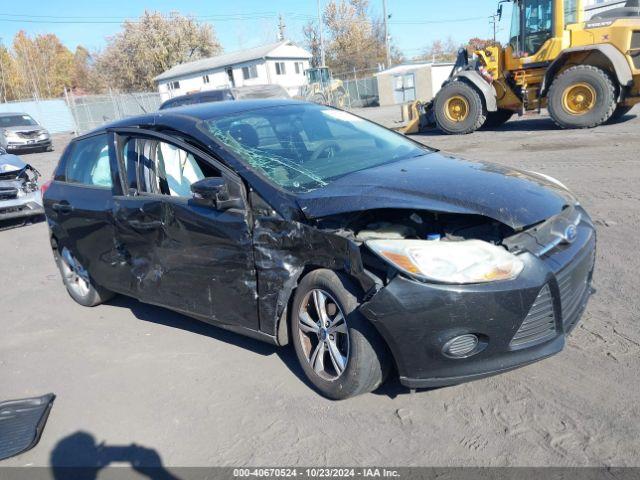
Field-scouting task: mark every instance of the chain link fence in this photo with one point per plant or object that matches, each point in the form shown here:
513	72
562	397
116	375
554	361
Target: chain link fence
91	111
361	87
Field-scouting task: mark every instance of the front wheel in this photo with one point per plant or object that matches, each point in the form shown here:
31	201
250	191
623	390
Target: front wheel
459	109
582	96
339	350
77	281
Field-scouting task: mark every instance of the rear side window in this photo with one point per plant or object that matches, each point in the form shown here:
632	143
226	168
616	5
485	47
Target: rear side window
88	163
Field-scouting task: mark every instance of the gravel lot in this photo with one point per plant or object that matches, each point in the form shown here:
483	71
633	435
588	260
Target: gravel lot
127	373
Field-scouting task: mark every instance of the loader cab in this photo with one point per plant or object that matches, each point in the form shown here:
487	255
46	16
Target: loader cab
318	75
531	26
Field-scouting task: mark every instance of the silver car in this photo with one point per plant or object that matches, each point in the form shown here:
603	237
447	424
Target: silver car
19	190
19	131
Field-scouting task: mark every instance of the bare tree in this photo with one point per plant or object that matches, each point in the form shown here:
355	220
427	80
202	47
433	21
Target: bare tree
151	45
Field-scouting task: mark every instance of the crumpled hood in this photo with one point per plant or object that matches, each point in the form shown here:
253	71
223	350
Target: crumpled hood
441	183
10	163
26	128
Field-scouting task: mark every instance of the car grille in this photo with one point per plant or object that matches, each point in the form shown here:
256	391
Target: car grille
540	324
8	193
574	284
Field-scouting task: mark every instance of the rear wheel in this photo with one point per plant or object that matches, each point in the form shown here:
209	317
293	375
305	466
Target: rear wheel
339	350
498	118
582	96
459	109
77	281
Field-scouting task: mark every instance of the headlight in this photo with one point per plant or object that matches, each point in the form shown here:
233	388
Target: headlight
469	261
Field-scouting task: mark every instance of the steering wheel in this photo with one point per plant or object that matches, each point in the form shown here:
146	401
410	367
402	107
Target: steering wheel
325	146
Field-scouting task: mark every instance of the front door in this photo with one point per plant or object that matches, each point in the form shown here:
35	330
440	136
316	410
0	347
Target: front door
181	254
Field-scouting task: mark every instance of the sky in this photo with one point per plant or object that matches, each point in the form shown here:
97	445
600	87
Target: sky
240	24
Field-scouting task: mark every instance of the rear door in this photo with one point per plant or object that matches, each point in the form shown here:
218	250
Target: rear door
78	206
182	255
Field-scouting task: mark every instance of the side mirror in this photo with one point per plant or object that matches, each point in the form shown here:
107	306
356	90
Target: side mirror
216	192
499	12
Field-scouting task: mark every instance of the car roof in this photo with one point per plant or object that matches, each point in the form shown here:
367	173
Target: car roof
12	114
197	112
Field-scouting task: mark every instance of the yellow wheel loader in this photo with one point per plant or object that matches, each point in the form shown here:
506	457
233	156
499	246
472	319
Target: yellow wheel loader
323	88
584	72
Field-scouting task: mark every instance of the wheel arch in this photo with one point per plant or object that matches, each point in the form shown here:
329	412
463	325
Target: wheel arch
603	56
474	80
283	333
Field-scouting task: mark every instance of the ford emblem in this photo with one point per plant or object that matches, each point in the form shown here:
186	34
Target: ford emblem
570	234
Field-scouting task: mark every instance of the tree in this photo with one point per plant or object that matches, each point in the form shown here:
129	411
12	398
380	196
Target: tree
85	78
440	51
353	38
479	44
41	66
151	45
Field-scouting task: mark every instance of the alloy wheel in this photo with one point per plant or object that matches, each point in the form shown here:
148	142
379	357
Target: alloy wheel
75	276
324	335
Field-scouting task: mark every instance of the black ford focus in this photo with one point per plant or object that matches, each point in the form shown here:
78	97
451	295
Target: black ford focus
298	223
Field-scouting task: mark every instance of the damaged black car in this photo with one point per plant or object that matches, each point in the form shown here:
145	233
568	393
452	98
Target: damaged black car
298	223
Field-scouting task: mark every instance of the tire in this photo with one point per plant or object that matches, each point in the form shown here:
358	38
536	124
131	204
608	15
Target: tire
77	281
363	352
590	80
619	112
497	119
319	99
449	96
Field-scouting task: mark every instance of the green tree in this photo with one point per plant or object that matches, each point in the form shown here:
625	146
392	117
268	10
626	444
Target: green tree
151	45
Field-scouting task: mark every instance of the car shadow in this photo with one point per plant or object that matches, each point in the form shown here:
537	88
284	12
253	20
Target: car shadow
79	457
162	316
21	222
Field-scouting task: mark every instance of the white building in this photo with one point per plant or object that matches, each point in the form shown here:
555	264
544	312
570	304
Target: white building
281	63
593	7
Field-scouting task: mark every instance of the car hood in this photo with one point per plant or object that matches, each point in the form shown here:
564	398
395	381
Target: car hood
10	163
442	183
25	128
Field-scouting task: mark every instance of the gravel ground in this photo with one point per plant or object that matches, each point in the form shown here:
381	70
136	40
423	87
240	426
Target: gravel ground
189	394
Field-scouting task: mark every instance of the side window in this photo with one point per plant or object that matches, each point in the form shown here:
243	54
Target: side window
158	167
88	162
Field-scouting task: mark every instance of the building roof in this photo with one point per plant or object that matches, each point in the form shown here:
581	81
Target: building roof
410	67
227	59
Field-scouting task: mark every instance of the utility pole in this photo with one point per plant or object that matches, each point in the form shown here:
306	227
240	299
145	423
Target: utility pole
386	33
281	28
494	19
321	35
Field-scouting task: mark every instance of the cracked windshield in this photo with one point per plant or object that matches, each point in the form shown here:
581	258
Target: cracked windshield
305	147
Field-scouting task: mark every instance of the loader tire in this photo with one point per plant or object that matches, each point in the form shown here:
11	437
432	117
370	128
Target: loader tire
459	109
498	118
582	96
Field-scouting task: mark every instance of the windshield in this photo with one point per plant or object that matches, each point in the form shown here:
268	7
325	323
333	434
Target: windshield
305	147
16	121
537	18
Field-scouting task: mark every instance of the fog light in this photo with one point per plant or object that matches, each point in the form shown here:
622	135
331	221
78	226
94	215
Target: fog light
461	346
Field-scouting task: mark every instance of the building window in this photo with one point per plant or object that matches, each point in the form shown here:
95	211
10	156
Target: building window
205	78
299	68
280	70
174	85
249	72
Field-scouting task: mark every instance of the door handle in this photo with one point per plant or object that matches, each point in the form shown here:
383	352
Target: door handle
152	225
62	207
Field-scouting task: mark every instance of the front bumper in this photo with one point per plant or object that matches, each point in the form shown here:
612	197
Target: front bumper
14	145
417	319
27	205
